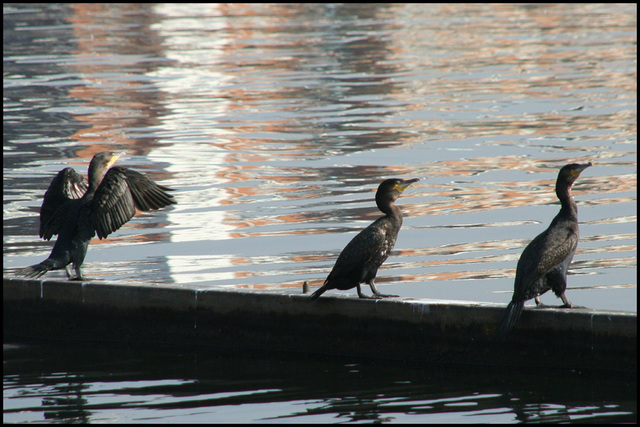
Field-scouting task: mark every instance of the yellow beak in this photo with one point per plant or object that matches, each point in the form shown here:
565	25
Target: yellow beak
578	170
401	186
115	157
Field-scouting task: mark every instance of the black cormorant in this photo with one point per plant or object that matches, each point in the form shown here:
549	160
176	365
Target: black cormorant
360	259
544	262
76	210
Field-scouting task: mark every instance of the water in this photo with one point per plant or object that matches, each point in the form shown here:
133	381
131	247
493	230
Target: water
107	384
275	124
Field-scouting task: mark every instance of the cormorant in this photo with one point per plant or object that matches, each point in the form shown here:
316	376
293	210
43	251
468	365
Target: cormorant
544	262
360	259
76	210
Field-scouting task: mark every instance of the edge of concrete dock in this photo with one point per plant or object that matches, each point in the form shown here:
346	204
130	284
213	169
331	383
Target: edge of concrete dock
413	330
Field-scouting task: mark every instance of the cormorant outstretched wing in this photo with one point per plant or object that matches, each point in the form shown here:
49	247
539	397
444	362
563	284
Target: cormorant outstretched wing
68	185
119	194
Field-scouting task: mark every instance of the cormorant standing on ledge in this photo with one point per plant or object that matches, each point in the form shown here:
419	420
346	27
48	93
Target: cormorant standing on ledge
360	259
544	262
77	210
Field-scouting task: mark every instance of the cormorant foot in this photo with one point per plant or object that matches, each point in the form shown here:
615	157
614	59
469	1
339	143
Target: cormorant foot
363	296
386	296
558	306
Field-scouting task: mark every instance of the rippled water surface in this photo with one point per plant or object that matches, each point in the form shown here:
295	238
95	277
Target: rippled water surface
115	384
276	123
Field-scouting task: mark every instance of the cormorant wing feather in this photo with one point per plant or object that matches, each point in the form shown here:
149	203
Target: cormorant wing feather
66	186
119	194
544	253
146	194
361	250
112	205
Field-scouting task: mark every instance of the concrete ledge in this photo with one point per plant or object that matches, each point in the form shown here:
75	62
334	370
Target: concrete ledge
398	328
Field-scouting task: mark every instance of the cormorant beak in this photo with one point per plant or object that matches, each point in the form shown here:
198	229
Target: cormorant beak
115	157
578	170
405	183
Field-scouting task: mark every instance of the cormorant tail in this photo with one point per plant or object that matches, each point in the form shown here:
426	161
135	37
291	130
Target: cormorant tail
321	290
37	270
510	317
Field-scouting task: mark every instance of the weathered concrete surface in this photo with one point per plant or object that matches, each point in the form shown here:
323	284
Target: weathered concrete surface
398	328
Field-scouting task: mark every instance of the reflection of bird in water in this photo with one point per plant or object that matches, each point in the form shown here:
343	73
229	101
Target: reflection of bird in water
360	259
544	262
77	210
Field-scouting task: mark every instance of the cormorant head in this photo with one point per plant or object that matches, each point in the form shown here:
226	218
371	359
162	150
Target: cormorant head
390	189
101	163
569	173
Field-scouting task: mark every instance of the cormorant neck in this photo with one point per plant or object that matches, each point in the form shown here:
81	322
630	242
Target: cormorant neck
389	208
568	205
95	178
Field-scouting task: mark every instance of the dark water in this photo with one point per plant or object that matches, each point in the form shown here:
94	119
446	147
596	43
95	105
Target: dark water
275	124
117	384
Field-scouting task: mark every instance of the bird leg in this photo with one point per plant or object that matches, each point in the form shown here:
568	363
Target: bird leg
377	293
78	273
361	295
539	303
564	299
566	302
